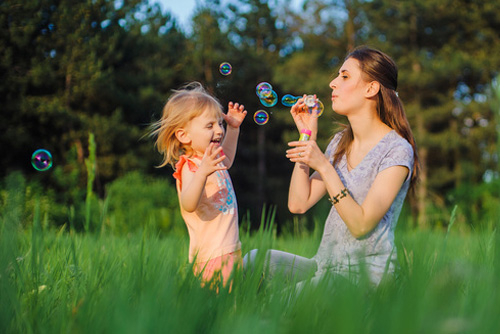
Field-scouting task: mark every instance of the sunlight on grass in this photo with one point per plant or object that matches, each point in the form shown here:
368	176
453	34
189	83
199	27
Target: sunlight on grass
59	281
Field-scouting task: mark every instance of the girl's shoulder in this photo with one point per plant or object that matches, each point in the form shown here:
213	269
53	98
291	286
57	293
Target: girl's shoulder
185	161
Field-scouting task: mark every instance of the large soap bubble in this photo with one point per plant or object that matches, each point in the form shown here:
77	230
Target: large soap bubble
270	100
263	90
314	106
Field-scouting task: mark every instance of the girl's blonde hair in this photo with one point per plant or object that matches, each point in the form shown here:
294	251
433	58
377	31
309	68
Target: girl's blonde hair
189	102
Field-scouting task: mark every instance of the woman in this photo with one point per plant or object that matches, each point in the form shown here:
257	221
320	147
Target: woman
366	172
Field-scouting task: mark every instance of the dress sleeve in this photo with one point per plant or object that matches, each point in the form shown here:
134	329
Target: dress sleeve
178	168
399	155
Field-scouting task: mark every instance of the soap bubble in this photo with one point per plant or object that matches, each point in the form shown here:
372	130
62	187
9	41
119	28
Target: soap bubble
261	117
270	100
41	160
225	68
310	100
314	106
263	90
289	100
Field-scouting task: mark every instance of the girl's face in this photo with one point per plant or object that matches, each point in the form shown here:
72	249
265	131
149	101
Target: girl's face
203	130
348	88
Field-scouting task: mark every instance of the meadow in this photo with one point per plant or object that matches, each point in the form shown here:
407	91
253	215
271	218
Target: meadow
64	281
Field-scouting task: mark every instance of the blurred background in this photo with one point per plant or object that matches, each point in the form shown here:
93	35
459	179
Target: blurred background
84	80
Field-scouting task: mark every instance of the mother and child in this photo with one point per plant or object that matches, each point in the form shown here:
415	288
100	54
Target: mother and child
366	172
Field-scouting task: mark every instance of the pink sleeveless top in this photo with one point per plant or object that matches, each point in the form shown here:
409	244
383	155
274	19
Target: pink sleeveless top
213	226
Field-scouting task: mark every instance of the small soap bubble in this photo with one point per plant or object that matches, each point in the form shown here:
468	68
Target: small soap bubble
289	100
310	100
317	109
225	68
41	160
314	106
263	90
270	100
261	117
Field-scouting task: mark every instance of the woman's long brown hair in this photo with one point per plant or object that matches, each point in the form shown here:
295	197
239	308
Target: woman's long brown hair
377	66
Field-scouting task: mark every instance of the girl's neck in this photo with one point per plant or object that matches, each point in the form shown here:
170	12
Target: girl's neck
189	152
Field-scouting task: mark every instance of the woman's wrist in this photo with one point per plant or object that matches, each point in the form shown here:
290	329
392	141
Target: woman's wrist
325	168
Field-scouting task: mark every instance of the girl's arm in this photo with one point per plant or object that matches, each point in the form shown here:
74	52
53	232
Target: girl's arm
235	115
193	183
360	219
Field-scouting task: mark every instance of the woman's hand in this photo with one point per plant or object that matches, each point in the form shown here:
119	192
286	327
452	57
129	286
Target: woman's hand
307	152
302	118
235	115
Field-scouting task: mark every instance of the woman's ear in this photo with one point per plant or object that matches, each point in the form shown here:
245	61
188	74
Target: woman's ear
373	89
182	135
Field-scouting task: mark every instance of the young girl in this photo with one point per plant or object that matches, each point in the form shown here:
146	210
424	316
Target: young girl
366	172
191	137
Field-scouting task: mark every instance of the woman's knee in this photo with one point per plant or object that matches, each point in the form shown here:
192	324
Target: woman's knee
249	260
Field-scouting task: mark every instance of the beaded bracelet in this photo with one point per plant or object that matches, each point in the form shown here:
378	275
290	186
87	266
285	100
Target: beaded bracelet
335	199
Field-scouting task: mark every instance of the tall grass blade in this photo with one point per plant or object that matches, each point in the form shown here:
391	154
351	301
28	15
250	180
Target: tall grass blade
90	163
452	219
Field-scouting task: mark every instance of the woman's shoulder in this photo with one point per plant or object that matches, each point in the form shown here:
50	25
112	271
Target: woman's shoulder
397	142
396	150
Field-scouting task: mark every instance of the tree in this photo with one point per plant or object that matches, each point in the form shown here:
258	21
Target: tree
258	37
444	51
77	67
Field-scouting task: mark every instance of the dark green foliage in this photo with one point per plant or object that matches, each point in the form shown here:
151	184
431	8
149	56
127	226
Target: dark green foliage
70	68
136	202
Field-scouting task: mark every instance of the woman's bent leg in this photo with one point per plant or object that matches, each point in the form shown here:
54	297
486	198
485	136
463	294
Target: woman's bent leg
277	263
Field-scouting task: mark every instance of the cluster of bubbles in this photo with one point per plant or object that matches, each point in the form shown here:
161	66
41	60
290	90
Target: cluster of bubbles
41	160
269	98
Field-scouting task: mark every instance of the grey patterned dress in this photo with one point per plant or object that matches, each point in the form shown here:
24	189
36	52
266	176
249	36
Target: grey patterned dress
339	250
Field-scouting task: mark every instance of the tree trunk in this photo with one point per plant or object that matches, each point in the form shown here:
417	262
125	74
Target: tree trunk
261	164
421	191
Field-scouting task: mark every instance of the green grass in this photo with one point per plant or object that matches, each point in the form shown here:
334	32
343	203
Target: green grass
65	282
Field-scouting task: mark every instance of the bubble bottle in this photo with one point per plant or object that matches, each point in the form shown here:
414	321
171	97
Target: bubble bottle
305	134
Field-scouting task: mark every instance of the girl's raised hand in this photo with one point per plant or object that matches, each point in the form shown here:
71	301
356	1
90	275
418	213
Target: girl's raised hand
235	115
211	161
302	118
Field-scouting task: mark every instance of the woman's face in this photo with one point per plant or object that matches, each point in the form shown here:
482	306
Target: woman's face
348	88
